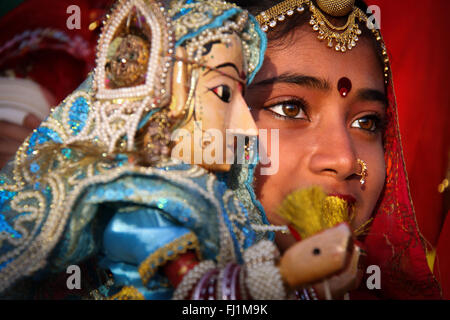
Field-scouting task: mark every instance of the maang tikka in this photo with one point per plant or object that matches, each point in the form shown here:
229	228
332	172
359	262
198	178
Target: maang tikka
342	39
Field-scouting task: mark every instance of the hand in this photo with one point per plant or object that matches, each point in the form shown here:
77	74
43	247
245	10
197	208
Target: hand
13	135
348	279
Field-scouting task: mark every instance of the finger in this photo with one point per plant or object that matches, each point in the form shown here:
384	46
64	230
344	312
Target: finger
14	131
350	278
344	281
352	271
31	121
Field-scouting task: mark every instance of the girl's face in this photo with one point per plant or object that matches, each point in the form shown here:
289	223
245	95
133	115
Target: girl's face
321	132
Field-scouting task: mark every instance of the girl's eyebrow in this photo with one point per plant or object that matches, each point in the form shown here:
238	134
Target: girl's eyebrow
297	79
372	95
365	94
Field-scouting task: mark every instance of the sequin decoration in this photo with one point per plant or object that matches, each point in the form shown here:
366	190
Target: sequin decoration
6	228
161	203
42	135
34	167
67	153
183	11
4	264
78	114
5	196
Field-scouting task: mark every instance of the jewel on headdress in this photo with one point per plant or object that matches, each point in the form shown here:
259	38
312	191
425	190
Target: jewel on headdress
342	38
128	59
128	64
336	8
344	86
130	77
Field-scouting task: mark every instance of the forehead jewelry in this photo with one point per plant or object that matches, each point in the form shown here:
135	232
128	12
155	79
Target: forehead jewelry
344	86
342	39
363	172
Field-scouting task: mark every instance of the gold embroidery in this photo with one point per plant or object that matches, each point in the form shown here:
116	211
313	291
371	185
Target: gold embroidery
34	248
128	293
179	246
431	257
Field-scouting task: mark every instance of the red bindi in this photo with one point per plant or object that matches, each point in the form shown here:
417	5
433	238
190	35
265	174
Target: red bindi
344	86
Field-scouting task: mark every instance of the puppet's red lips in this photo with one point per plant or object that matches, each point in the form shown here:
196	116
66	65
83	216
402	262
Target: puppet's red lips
351	200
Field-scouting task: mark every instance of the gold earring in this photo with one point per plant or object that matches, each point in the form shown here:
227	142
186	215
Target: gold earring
363	173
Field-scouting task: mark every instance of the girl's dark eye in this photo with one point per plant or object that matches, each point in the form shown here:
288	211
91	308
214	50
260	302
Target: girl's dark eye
223	92
289	109
369	123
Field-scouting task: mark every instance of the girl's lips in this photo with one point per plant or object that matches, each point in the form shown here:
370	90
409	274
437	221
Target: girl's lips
349	198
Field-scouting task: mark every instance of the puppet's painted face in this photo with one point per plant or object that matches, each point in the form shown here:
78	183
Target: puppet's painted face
220	110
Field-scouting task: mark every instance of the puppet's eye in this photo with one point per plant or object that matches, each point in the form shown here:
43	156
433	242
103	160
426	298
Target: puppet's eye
223	92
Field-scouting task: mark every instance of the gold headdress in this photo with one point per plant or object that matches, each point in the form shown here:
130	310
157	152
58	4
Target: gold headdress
342	38
132	76
135	59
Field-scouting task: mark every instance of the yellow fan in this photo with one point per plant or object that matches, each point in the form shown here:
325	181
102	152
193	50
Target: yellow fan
311	210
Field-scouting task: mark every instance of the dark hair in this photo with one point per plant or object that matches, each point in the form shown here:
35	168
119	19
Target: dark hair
287	27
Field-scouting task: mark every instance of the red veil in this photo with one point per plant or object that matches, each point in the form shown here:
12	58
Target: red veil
394	242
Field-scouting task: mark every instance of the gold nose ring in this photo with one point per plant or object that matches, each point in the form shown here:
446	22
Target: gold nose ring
363	172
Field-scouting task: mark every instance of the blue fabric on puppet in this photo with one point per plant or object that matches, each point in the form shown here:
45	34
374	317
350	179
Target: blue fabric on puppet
135	219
